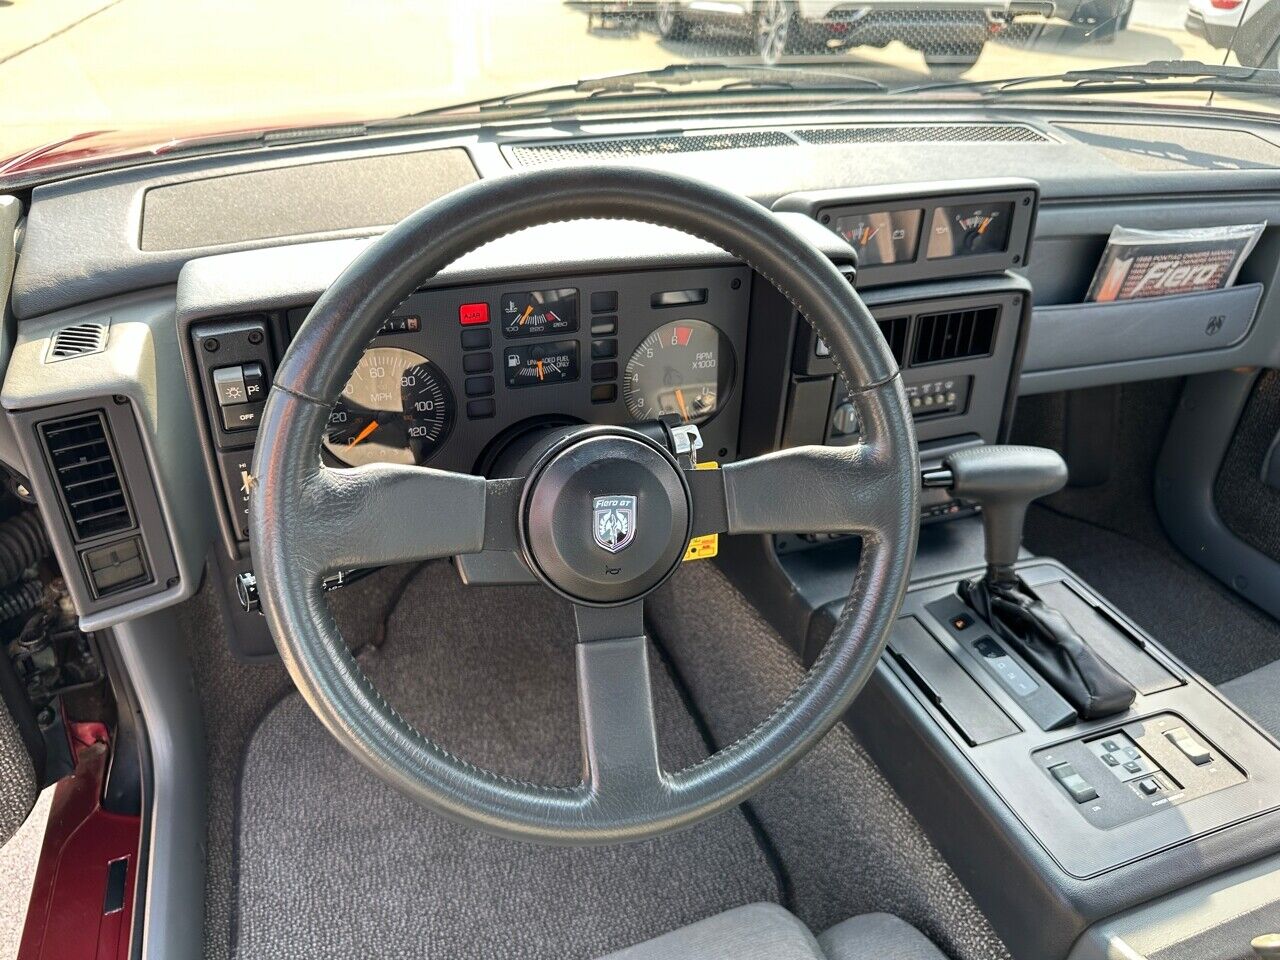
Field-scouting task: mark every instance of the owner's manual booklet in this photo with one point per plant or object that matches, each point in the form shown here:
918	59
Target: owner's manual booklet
1163	263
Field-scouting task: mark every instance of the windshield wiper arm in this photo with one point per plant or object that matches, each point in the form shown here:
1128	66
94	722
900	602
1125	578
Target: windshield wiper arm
1158	74
664	81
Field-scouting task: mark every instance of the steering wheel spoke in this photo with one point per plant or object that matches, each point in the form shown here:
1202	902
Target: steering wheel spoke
385	513
810	489
615	703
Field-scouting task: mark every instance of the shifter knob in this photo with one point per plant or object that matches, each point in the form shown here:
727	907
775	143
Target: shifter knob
1003	480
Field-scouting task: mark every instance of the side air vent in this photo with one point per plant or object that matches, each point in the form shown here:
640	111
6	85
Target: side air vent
894	330
84	466
954	335
77	340
621	149
925	133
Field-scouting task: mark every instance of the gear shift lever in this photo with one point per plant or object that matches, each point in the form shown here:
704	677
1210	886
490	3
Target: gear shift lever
1004	480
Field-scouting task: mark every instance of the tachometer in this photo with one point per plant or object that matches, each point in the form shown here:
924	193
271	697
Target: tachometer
396	408
684	367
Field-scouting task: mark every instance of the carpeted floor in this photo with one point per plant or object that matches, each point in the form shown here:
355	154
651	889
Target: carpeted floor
1217	633
329	860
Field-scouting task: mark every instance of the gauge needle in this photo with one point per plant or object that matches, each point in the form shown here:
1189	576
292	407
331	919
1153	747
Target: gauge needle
524	316
684	411
539	362
986	222
363	434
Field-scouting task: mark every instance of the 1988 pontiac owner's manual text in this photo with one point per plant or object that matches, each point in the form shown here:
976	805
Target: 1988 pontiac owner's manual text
1162	263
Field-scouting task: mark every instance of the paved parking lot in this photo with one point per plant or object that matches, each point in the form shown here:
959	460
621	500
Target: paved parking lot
73	65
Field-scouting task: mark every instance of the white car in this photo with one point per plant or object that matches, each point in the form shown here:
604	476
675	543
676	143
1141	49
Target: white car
1250	29
947	32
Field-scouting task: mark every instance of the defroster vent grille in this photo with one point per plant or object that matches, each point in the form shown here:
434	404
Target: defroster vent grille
87	474
925	133
78	340
623	148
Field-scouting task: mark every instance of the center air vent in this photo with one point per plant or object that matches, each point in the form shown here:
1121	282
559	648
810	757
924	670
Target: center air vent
85	470
954	335
77	340
894	330
925	133
622	149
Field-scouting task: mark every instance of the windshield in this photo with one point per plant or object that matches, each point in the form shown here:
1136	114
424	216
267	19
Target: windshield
188	68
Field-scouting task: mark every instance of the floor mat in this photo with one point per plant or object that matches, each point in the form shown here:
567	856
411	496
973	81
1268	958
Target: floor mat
846	841
332	863
1215	632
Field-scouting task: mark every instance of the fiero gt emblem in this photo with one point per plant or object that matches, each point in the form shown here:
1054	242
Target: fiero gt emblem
613	521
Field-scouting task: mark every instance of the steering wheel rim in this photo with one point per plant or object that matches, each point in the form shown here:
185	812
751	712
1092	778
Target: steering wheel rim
309	520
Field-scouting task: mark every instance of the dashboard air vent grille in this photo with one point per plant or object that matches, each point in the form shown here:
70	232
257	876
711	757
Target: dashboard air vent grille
571	151
925	133
895	334
954	335
85	470
77	340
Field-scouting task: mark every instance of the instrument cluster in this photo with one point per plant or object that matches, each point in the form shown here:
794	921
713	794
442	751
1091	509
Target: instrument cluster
455	371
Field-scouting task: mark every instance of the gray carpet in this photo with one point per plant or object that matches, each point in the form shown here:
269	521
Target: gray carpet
847	843
1217	633
332	863
1249	507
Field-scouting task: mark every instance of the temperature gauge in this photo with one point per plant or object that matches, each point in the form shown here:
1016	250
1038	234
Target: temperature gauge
536	313
966	231
541	363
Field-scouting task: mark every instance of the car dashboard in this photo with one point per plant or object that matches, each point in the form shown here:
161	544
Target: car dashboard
152	305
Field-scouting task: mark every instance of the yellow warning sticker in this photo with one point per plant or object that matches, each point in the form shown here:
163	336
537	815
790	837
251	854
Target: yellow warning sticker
703	548
707	546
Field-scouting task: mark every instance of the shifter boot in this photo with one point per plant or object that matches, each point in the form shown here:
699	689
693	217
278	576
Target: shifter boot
1045	638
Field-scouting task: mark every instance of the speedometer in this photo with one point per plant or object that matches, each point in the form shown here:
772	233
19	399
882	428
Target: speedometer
684	367
395	408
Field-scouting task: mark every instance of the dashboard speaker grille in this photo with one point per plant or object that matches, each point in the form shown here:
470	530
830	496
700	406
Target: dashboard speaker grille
77	340
954	335
84	467
533	156
925	133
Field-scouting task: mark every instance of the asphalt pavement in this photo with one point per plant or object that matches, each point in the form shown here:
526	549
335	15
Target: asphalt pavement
78	65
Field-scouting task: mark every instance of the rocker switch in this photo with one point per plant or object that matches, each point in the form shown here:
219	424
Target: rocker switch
1194	751
1081	790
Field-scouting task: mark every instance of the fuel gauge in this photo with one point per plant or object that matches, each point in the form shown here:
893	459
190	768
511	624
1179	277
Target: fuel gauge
538	364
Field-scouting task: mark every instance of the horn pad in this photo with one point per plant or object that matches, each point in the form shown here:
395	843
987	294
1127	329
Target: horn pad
605	517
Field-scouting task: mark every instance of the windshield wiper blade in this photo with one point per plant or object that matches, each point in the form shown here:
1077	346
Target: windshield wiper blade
664	81
1158	74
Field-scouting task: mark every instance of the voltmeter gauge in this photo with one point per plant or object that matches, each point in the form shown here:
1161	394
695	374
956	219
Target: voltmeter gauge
684	367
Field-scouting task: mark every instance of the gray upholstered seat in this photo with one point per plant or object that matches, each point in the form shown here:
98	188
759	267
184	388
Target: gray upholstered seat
1256	694
765	931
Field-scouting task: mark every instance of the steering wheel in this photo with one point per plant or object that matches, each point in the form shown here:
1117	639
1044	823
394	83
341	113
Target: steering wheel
310	520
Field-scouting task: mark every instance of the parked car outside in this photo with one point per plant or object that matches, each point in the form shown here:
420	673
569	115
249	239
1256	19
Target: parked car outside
1251	29
950	33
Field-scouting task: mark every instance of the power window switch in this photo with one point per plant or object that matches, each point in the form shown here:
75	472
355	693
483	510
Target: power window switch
1081	790
1149	787
229	386
1192	749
